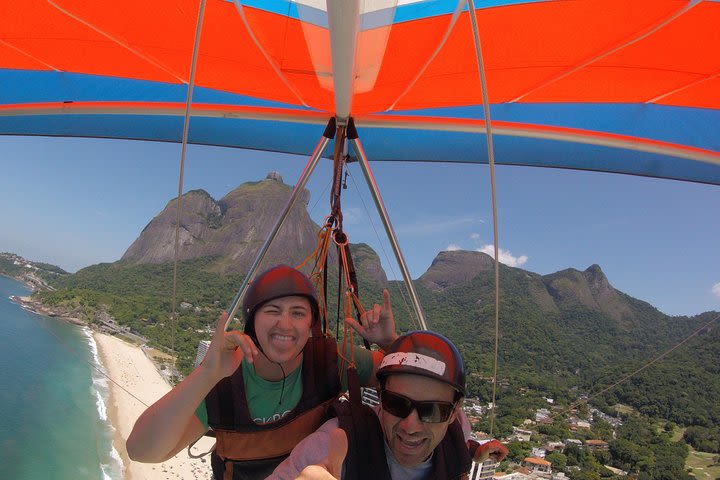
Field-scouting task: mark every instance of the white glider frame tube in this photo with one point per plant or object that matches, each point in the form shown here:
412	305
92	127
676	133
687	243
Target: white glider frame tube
380	205
343	24
302	181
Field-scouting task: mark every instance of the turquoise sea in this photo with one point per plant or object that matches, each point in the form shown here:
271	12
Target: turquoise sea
53	422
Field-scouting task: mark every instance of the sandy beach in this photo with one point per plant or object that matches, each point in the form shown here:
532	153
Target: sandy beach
129	366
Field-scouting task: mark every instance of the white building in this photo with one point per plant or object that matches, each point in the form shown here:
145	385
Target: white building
201	351
513	476
539	467
537	452
370	396
522	435
483	471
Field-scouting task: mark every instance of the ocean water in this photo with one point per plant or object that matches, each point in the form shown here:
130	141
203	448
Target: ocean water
53	420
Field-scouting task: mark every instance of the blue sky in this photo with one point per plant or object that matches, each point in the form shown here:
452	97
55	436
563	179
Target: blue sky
78	202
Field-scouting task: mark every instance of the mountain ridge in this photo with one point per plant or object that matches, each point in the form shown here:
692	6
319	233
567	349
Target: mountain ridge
233	228
567	328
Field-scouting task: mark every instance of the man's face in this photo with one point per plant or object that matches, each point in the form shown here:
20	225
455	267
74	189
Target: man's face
411	440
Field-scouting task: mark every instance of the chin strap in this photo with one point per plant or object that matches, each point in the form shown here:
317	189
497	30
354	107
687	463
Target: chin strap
282	389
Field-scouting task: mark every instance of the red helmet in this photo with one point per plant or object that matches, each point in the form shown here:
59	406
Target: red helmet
428	354
280	281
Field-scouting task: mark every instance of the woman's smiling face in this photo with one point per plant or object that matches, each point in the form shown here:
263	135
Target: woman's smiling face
282	326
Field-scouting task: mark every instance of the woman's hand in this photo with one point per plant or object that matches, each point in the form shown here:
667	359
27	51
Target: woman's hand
377	325
227	350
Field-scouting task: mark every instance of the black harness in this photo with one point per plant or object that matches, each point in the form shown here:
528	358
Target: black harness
366	443
246	450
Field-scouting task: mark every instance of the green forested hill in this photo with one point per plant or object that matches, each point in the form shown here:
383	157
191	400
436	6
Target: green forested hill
560	352
32	273
562	335
140	296
553	350
684	386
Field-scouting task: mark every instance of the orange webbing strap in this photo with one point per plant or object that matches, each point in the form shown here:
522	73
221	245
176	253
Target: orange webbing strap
351	300
347	361
350	277
317	276
273	442
333	229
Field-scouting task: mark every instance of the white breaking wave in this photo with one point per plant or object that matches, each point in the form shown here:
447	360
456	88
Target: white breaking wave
113	468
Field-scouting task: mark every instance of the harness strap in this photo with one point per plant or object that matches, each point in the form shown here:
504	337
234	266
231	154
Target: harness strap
274	442
452	458
228	472
347	273
366	451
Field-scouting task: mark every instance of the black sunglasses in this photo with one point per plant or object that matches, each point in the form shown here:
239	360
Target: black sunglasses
428	411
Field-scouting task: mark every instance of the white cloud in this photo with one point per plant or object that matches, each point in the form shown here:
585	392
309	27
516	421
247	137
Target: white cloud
716	289
353	216
506	257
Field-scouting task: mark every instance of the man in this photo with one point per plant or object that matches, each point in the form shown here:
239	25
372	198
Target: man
416	433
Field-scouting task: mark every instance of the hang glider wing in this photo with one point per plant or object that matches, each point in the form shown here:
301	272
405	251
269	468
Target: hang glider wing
606	85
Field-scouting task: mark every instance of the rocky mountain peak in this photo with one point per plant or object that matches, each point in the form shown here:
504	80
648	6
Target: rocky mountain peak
591	289
451	268
274	175
598	282
233	228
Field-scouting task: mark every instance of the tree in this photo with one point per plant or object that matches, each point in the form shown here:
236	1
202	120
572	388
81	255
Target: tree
517	451
558	460
602	429
603	457
558	430
703	439
584	475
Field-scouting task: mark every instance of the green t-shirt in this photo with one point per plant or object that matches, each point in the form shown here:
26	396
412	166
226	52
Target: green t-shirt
264	396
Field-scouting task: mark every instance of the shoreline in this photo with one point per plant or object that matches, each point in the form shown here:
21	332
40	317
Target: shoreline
35	306
139	383
135	381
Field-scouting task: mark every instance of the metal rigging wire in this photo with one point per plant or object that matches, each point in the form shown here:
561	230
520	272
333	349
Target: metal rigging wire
491	163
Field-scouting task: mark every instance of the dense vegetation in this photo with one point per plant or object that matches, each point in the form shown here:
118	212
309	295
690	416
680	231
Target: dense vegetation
561	354
639	448
141	297
7	267
575	351
703	439
684	387
45	271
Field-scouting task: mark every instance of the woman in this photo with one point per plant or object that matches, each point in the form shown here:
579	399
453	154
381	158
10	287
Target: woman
264	389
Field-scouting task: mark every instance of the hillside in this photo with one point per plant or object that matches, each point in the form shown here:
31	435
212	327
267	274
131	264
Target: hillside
572	328
37	275
561	335
232	229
